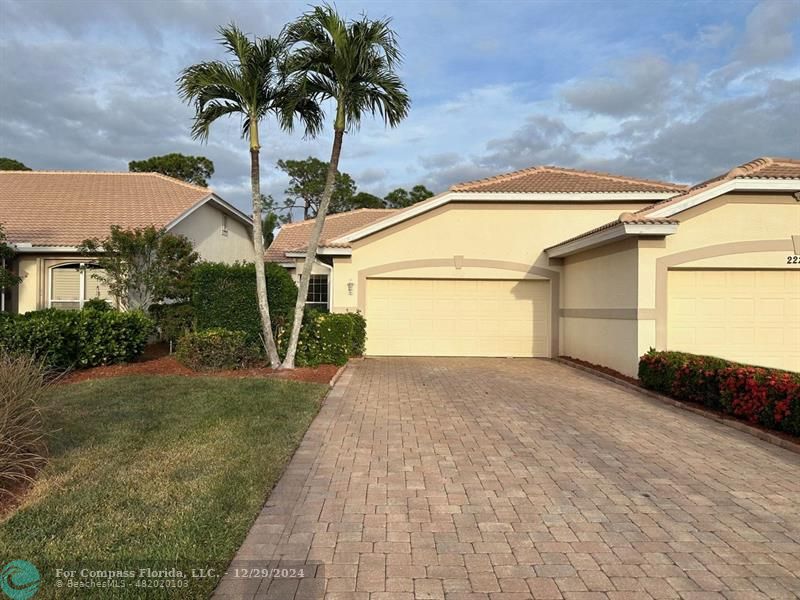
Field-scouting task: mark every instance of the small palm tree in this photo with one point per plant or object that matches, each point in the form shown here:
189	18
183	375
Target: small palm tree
250	86
352	63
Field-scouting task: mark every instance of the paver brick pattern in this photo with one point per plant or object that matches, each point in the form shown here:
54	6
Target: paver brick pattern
493	479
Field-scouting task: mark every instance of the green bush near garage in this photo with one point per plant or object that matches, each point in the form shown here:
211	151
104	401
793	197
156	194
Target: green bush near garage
224	299
327	338
224	296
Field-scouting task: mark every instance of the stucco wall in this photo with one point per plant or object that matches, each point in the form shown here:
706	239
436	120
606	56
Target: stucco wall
599	316
467	241
33	291
734	231
471	241
204	228
28	289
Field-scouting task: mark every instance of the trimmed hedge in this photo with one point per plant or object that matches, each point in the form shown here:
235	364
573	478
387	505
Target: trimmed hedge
224	296
327	338
768	397
172	320
215	349
87	338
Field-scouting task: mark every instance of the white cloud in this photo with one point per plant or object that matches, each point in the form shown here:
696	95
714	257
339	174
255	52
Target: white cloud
495	86
768	35
637	85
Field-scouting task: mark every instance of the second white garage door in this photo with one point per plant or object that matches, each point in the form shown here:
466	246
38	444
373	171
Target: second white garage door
445	317
747	316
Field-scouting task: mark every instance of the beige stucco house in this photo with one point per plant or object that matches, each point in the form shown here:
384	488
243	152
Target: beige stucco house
46	216
547	261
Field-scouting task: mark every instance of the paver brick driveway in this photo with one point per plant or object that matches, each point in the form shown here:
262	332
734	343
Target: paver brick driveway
511	479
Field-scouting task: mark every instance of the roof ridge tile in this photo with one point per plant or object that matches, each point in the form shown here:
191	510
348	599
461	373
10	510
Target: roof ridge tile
656	185
115	173
750	169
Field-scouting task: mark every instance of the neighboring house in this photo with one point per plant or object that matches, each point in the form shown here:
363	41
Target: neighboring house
549	261
47	215
289	249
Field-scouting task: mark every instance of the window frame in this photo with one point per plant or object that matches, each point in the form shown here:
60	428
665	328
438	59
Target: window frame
83	273
319	303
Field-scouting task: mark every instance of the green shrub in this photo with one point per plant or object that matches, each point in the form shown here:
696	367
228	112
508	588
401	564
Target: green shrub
225	296
328	338
215	348
97	304
50	335
683	376
112	336
657	370
22	435
86	338
172	320
768	397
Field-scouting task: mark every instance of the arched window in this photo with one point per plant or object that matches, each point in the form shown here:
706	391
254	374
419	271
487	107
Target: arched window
72	284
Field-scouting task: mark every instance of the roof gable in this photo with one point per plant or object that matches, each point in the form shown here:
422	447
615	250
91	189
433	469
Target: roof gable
760	174
537	184
293	237
61	209
765	173
558	179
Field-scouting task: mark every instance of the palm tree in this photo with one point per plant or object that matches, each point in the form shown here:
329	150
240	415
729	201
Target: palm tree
251	85
353	64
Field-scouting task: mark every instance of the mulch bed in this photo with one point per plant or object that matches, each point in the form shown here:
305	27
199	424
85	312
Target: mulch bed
602	369
156	360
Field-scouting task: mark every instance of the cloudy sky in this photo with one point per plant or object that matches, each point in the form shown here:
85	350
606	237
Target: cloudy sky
671	90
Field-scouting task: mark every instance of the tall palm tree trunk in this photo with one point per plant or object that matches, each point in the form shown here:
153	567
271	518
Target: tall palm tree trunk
258	248
313	243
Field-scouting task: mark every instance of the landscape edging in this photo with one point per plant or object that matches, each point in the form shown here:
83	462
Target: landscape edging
338	374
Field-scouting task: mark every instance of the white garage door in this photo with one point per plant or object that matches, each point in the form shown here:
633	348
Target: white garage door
444	317
747	316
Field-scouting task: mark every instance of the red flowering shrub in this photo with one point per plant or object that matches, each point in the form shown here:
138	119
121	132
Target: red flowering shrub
697	380
768	397
657	370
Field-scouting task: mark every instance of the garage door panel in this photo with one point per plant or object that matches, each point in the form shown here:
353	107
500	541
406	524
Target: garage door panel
747	316
429	317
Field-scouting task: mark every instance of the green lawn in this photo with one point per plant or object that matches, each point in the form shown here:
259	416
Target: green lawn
155	472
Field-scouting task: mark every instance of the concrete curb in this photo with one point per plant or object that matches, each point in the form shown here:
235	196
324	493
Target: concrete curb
733	423
338	374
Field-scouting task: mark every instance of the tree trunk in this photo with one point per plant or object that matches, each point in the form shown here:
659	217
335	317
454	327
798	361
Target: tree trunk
313	244
258	249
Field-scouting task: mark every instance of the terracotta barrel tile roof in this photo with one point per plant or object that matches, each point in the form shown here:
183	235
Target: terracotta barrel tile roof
760	168
48	208
556	179
293	237
623	218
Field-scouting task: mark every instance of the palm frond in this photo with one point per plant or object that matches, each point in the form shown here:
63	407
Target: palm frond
212	111
236	42
351	62
254	83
